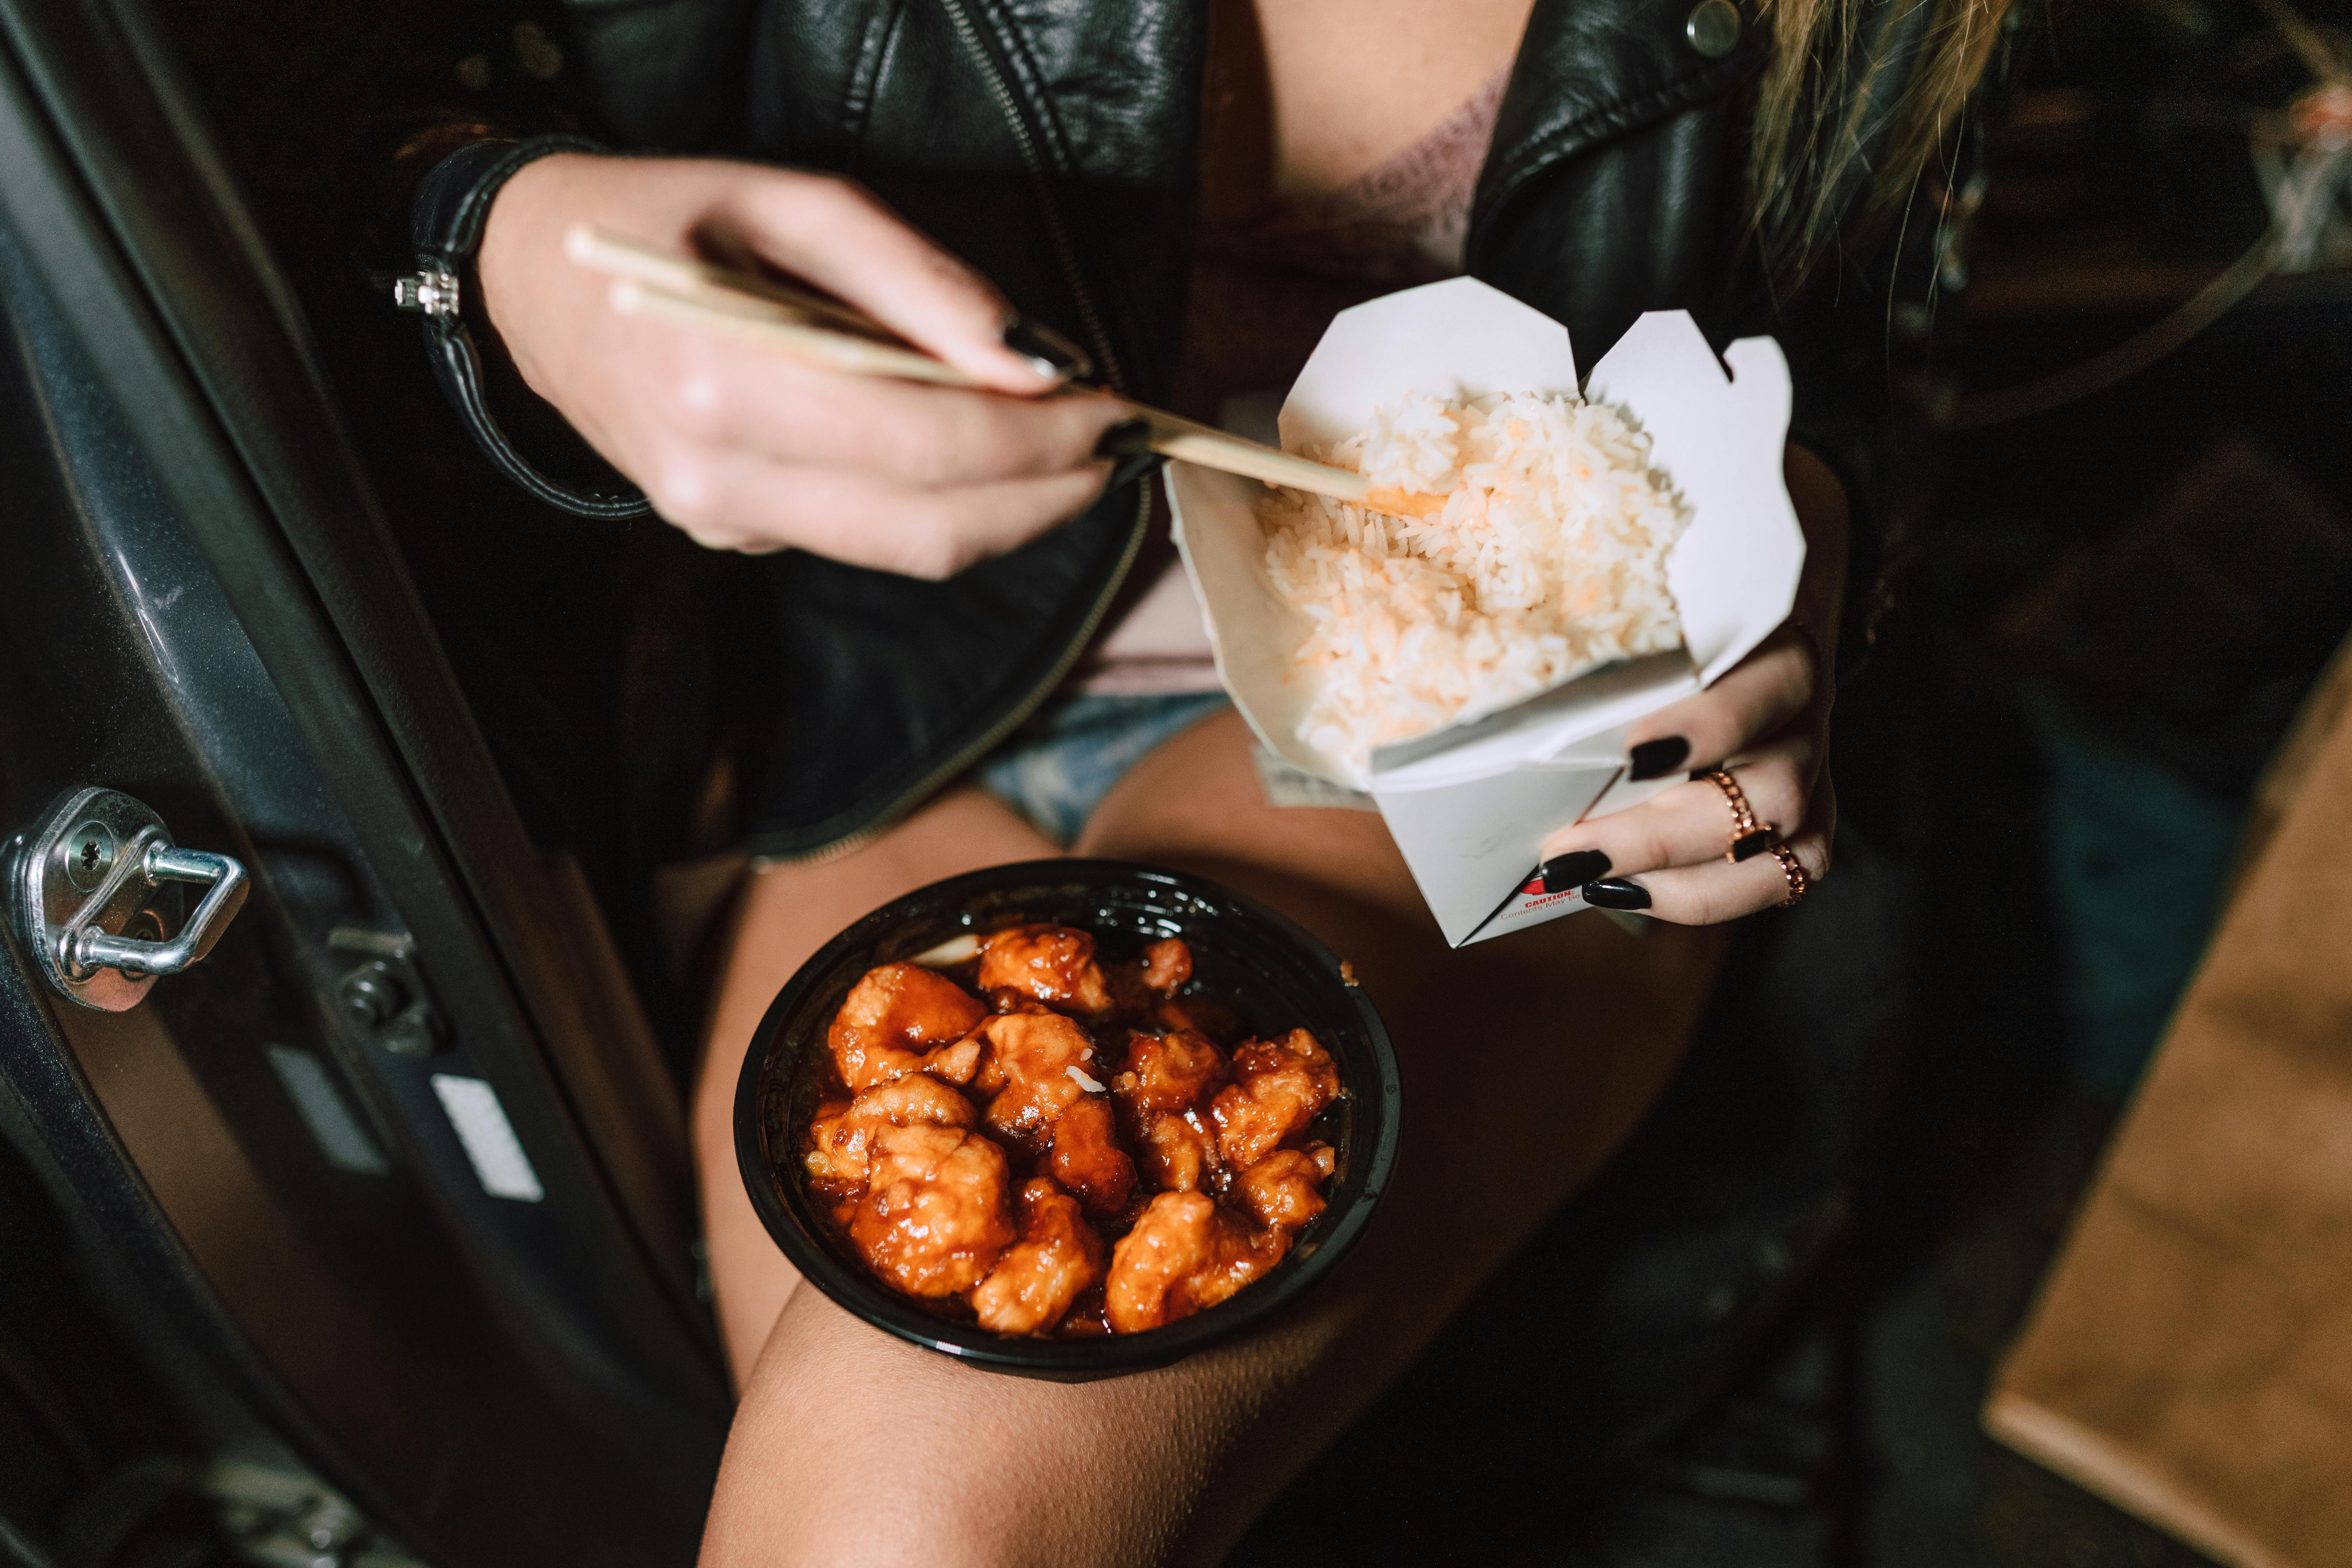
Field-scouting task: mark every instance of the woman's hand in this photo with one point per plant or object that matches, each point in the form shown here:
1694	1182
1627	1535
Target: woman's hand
744	450
1766	722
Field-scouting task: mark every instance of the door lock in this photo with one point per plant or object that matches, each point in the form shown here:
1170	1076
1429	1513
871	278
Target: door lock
95	893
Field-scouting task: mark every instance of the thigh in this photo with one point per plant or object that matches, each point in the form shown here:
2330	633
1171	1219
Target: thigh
788	912
1528	1060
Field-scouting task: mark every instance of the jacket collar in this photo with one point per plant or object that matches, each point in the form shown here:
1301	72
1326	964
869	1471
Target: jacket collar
1589	72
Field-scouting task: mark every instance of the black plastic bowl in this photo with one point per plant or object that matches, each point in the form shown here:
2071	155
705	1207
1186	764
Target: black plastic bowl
1278	975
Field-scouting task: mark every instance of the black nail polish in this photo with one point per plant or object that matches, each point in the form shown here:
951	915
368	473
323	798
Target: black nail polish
1655	759
1128	438
1619	894
1049	351
1562	872
1750	845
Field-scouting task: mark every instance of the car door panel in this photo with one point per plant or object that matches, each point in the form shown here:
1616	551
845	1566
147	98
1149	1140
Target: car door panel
206	612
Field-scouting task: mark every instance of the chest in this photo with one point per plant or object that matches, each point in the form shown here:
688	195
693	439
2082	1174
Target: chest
1301	97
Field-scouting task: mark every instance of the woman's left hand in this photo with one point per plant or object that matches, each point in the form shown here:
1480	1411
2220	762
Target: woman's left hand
1765	721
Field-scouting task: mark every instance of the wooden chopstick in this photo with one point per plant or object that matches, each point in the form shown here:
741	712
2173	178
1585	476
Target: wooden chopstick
825	336
786	330
593	247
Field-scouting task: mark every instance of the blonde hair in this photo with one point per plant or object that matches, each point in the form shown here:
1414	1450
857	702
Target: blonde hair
1859	97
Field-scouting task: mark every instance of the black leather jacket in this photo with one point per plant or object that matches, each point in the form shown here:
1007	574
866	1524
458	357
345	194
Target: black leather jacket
1050	143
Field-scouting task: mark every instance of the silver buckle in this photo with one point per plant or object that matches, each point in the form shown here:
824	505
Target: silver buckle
433	291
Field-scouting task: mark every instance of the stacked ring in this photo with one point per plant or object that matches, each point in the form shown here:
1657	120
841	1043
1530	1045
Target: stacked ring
1793	871
1749	836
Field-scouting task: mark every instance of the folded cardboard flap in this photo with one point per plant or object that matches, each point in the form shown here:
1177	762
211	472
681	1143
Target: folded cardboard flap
1734	570
1255	634
1583	721
1456	339
1470	805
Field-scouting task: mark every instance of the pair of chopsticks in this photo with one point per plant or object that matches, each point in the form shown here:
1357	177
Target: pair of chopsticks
826	336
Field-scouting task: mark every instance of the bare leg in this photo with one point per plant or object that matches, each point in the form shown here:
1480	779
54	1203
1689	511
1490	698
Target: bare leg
1527	1061
788	913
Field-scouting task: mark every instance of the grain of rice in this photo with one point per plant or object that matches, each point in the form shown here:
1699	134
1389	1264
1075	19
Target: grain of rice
1548	561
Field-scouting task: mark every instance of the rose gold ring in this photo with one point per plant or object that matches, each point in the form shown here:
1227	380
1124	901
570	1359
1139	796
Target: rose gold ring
1749	836
1793	870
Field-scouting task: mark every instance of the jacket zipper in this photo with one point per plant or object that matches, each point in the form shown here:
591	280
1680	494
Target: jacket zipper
1099	340
1034	162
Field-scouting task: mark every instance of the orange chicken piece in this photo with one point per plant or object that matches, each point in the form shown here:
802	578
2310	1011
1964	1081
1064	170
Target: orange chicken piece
937	1212
1184	1254
1057	1257
1285	1190
890	1014
1088	1160
840	1138
1177	1153
1049	963
1037	1065
1278	1087
1168	1072
1167	964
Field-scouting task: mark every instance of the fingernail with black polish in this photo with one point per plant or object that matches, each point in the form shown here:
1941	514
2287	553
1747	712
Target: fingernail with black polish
1562	872
1618	894
1655	759
1047	350
1753	844
1128	438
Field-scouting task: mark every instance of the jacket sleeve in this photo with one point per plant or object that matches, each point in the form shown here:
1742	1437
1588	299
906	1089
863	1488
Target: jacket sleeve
518	432
479	104
647	75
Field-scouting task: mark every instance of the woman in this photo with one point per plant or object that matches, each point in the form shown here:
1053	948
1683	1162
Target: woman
980	641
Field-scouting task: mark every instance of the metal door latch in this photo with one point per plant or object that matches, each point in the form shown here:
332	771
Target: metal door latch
94	892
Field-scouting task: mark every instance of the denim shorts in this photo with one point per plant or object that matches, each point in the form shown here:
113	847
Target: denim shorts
1055	769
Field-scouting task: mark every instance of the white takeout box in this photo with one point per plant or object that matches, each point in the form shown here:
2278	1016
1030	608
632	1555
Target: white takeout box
1470	805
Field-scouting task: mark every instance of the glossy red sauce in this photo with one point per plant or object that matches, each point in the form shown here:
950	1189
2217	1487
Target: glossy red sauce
1061	1145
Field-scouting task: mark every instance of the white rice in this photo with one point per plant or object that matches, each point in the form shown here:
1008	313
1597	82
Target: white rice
1548	561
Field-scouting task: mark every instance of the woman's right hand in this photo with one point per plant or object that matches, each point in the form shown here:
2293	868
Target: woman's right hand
744	450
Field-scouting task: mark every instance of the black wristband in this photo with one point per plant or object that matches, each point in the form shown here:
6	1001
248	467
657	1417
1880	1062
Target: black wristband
452	204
